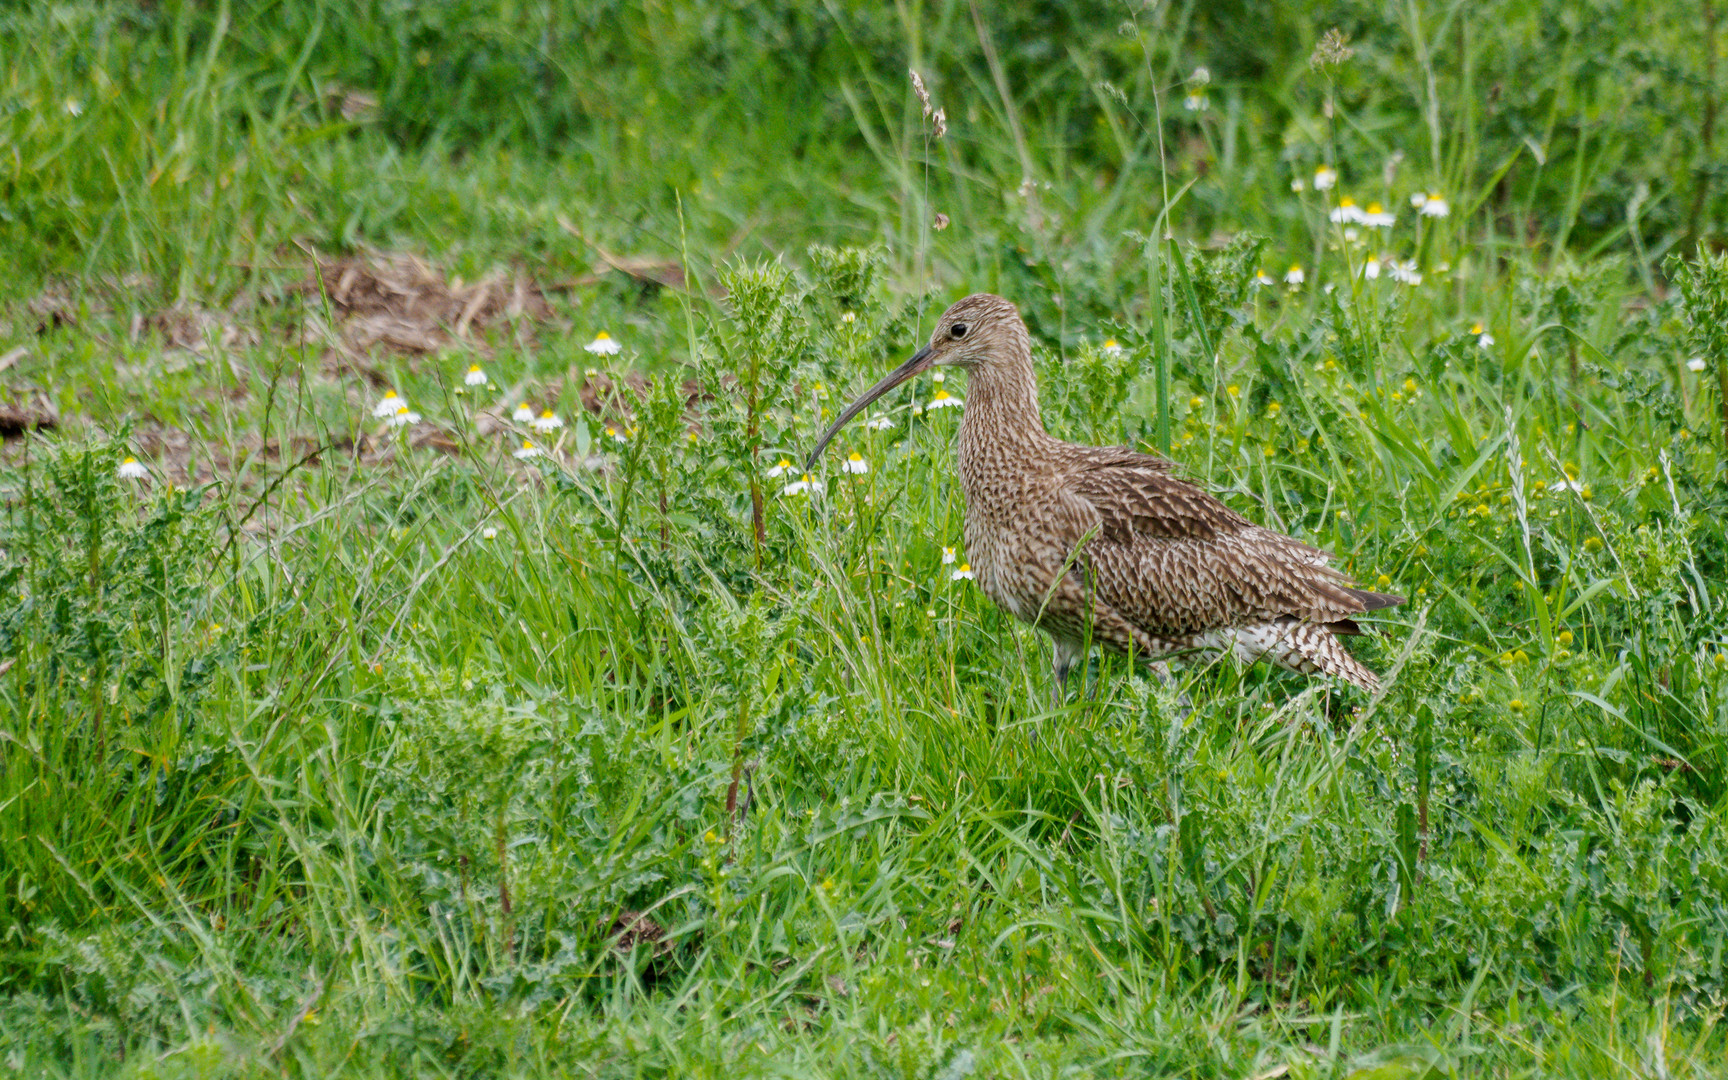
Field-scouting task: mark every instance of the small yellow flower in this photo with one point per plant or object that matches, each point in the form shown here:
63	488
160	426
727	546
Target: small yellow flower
962	574
1593	544
1382	582
1196	402
1516	705
1564	637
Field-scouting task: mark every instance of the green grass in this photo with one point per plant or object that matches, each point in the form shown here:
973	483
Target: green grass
350	761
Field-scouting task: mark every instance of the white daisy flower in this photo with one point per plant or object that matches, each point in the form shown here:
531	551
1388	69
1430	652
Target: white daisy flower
387	405
804	485
603	345
782	467
1346	212
855	464
962	574
1262	278
1694	364
1378	217
523	414
849	317
1417	200
1196	102
1435	205
1325	177
475	376
404	417
947	555
529	450
939	377
1295	276
130	470
1112	347
1566	483
1202	75
1371	268
1405	271
488	533
1484	339
74	107
615	435
944	400
547	421
878	423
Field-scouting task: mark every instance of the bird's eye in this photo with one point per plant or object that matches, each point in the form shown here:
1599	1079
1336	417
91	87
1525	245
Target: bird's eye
957	330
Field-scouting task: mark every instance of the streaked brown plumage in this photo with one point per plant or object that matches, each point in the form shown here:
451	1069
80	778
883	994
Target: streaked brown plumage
1107	545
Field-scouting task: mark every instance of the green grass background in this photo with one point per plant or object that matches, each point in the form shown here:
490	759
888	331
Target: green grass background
349	764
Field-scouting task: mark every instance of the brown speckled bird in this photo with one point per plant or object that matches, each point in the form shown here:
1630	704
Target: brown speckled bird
1107	545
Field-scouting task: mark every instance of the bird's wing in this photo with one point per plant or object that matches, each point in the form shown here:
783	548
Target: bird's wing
1173	559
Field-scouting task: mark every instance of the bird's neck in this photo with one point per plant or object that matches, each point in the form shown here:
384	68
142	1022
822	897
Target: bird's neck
1001	423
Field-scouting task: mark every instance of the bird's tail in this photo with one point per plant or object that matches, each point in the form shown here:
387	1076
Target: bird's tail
1304	647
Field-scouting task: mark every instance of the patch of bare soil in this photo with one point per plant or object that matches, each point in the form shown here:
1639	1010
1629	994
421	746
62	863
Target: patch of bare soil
18	418
396	303
195	328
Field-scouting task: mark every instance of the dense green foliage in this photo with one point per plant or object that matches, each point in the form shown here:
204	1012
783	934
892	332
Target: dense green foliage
340	746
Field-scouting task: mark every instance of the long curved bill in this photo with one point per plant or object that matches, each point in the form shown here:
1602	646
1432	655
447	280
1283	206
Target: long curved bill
921	360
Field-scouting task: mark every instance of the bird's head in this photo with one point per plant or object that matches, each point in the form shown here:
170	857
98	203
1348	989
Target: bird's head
978	333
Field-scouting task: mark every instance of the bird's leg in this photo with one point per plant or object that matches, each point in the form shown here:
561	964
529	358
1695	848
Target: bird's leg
1065	653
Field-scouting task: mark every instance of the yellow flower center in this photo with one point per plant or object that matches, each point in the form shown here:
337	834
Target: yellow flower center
1346	201
1374	208
856	456
1475	328
473	367
602	336
1110	343
545	412
401	410
965	568
940	394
